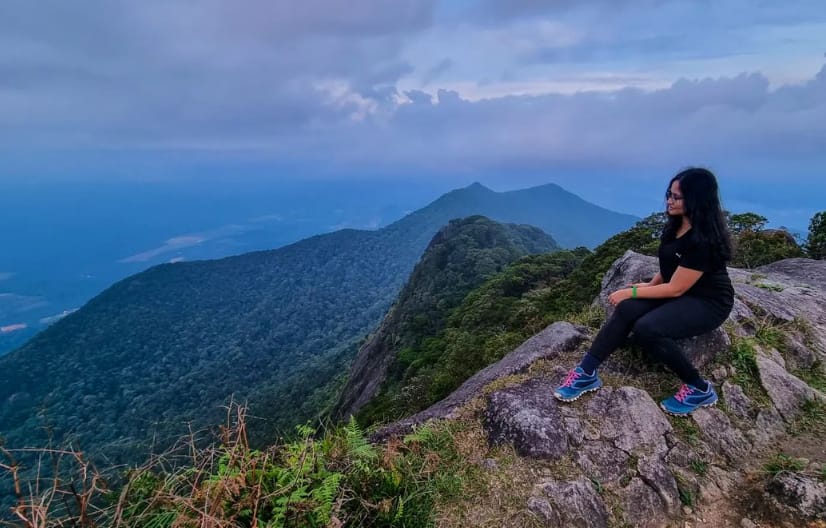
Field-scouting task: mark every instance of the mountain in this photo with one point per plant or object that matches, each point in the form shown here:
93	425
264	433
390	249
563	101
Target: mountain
459	258
168	346
569	219
65	242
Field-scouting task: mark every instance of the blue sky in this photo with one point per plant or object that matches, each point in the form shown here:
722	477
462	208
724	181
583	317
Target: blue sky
607	98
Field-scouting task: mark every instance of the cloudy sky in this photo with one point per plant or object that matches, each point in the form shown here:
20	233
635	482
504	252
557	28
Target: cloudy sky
604	97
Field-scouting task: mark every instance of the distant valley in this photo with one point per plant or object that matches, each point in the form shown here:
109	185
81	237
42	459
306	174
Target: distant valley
63	244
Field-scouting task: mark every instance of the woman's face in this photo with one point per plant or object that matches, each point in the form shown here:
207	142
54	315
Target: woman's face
674	200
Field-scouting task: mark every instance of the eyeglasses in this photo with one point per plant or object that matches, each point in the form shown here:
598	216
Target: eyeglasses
671	196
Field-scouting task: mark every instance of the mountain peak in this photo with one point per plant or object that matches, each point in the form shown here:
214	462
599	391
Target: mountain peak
476	186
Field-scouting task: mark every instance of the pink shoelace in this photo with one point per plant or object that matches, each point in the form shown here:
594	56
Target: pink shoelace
572	377
684	391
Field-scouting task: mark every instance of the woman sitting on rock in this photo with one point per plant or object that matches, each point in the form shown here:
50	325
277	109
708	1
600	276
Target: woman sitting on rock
691	295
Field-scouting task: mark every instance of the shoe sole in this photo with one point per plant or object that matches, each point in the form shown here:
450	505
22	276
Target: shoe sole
683	415
569	400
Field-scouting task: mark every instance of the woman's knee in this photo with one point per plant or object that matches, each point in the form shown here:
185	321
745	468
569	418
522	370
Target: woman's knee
627	310
645	329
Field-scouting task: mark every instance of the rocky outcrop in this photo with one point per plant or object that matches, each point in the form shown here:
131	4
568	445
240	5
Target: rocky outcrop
548	344
625	460
797	495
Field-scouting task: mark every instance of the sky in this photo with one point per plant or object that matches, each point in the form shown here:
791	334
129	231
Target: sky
606	98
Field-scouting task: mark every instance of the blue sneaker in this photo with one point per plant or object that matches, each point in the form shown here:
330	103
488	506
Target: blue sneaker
576	384
688	399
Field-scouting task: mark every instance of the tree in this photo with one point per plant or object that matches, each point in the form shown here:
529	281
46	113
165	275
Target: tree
754	245
816	243
740	223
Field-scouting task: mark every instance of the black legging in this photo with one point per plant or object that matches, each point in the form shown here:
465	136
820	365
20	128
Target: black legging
656	324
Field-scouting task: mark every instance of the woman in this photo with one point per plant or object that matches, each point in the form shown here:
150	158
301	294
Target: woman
691	295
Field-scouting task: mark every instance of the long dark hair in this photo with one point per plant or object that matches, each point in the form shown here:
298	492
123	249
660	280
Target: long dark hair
701	204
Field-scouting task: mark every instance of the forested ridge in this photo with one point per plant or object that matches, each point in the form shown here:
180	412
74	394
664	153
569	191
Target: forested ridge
167	348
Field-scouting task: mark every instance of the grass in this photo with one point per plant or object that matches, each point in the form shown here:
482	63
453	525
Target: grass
687	497
323	478
806	330
770	334
591	316
781	463
742	356
700	467
685	429
814	376
770	287
811	419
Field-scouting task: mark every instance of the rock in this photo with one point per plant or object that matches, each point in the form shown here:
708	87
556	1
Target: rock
719	374
680	454
490	463
576	434
801	355
642	505
603	461
630	419
800	271
745	522
572	504
727	481
549	343
775	356
656	475
527	416
740	312
768	426
786	391
736	401
542	508
628	269
719	433
702	349
798	494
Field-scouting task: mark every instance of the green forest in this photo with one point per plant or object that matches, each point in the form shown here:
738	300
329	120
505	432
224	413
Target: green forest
166	350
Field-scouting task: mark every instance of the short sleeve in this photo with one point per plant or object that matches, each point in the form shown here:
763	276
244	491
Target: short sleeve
697	256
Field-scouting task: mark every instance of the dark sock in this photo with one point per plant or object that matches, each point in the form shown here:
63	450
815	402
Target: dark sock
700	383
589	364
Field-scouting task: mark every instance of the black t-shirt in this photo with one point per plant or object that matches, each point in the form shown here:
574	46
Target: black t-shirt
688	252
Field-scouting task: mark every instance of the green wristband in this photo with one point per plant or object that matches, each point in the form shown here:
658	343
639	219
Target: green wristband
634	291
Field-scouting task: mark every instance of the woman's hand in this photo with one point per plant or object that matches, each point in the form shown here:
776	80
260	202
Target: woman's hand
619	296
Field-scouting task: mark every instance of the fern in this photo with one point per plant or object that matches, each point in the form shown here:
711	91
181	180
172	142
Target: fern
326	494
357	445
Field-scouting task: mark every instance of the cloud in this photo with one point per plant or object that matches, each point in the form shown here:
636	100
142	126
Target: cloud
692	121
426	87
436	71
181	242
172	73
173	244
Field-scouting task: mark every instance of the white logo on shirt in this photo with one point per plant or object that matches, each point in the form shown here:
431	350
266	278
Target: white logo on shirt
678	255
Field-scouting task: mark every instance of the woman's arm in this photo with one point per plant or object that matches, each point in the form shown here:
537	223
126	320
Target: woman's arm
657	280
683	279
